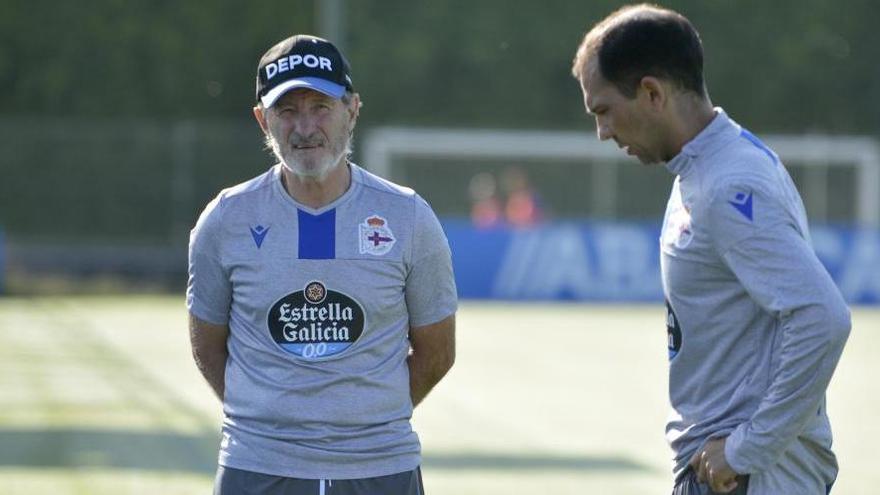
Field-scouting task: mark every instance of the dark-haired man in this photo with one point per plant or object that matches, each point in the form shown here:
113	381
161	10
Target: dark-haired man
321	298
755	324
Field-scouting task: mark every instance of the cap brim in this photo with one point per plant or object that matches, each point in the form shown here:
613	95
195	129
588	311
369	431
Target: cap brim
330	89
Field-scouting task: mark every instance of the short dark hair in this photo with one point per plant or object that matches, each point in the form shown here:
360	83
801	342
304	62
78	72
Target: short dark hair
644	40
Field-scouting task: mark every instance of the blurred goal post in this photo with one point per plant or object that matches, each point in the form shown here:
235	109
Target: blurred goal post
818	153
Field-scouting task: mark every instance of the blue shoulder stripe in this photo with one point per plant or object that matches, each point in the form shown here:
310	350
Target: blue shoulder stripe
758	143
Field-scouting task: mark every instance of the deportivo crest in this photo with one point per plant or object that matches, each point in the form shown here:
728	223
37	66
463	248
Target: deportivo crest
315	322
375	236
678	227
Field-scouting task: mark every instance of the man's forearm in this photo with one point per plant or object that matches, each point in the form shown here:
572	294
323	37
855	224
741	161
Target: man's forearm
423	376
209	351
814	323
793	398
213	368
424	373
432	355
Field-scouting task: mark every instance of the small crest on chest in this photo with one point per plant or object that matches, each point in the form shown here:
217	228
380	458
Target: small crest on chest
375	236
678	228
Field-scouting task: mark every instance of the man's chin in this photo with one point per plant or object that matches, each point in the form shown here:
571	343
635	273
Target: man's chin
318	172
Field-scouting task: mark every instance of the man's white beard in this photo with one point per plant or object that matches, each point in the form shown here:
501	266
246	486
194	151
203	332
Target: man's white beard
319	172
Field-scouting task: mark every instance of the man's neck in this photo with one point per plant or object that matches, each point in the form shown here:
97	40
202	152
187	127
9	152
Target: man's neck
316	192
695	115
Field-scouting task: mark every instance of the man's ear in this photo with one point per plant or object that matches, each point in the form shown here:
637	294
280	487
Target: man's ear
260	115
654	92
354	108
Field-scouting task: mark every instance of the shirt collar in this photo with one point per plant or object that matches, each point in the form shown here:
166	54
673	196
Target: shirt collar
702	142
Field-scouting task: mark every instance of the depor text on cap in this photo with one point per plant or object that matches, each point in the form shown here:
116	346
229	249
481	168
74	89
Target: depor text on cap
302	61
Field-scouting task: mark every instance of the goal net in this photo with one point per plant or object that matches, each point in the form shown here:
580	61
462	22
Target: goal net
838	176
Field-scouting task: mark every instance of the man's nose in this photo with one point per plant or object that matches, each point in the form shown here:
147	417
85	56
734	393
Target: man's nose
304	124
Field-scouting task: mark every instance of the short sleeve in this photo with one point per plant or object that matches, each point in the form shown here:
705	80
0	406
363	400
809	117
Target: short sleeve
209	291
430	284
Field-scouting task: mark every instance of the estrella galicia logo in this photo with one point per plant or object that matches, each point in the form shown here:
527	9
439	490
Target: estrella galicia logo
673	332
316	322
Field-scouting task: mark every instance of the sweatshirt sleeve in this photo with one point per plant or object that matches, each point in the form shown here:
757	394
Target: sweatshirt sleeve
764	246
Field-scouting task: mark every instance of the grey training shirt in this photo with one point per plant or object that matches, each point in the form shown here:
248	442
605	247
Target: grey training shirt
756	325
319	304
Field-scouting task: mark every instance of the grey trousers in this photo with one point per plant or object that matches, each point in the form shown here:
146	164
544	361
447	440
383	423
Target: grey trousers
687	484
231	481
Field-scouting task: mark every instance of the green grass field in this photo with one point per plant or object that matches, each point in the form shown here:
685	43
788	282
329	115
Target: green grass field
98	395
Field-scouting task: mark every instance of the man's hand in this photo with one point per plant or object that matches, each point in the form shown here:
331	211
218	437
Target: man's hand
712	468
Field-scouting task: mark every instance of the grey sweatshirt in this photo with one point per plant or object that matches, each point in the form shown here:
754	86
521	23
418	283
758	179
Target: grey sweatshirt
756	326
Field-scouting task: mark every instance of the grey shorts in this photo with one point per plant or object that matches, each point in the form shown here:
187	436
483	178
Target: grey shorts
231	481
687	484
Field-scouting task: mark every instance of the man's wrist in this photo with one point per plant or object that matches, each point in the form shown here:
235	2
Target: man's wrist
733	448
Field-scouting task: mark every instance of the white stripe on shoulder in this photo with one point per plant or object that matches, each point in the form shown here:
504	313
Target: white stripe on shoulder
380	184
259	182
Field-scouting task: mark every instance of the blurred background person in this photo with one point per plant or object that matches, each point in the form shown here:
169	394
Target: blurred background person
486	208
522	204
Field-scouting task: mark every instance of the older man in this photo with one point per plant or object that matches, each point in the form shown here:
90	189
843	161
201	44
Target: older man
321	299
755	324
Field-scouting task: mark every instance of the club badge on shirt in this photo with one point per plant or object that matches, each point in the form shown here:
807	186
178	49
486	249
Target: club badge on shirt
375	236
678	227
